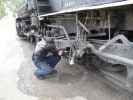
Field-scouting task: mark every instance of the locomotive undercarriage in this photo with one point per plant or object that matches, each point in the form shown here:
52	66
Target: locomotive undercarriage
96	42
98	39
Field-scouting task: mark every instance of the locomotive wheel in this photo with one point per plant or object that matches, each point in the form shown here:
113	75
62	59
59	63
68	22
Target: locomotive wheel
101	64
19	32
93	62
68	55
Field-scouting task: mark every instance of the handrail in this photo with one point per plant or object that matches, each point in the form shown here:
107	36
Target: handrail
61	27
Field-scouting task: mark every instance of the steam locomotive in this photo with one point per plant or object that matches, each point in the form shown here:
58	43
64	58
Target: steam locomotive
96	33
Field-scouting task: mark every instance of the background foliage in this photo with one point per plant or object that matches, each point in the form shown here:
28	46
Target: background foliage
2	9
13	5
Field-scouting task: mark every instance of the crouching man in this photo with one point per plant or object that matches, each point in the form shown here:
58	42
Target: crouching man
45	58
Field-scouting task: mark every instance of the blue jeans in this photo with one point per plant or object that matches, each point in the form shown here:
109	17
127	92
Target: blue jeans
45	66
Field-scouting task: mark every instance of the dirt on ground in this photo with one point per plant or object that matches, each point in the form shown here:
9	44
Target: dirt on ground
17	81
70	83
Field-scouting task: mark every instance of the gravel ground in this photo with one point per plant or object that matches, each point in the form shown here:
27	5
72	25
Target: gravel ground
17	81
71	82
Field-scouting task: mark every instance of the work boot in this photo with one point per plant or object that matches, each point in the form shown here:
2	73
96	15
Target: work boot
52	74
42	77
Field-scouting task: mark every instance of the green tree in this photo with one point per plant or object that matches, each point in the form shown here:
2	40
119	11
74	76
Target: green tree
13	5
2	8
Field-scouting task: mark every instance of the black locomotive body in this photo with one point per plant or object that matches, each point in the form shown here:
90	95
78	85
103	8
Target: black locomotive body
93	32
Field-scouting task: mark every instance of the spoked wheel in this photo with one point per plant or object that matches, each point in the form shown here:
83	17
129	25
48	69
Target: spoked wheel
19	30
69	56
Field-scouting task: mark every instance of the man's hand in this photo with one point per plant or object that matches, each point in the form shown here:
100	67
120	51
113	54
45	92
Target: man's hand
60	52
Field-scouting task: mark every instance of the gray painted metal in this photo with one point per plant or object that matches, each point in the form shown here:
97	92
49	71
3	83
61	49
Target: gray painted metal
64	4
48	6
95	7
57	5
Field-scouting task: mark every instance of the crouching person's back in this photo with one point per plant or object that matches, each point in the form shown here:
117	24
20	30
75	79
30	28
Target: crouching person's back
45	58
